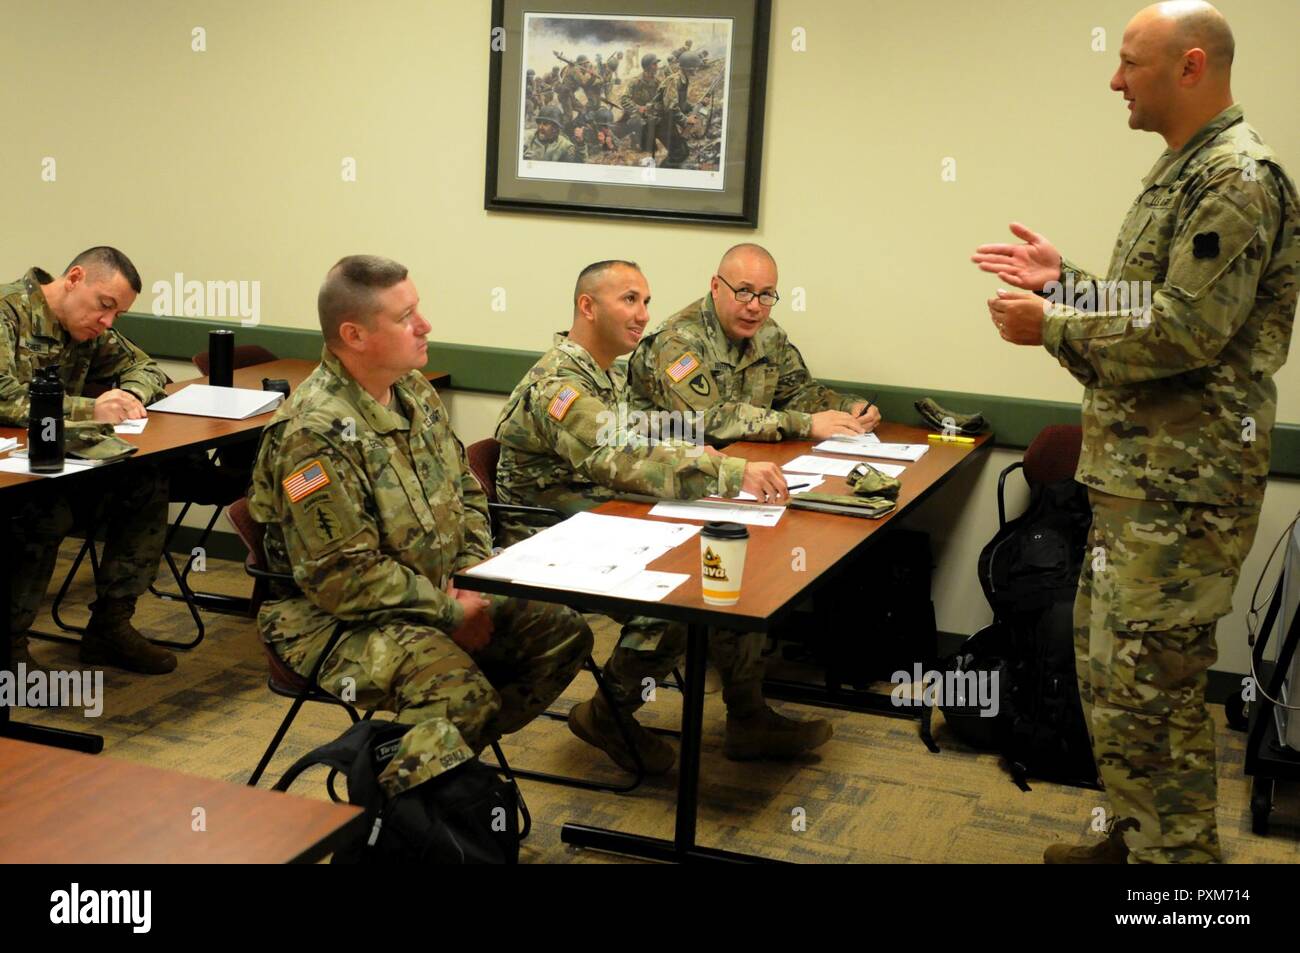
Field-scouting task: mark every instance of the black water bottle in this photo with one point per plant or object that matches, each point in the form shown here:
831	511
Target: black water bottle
221	358
45	422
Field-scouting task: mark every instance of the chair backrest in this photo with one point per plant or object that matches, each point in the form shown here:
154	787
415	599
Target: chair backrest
245	355
1054	454
483	456
252	533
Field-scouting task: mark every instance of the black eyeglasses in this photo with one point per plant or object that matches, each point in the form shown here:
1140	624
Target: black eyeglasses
744	295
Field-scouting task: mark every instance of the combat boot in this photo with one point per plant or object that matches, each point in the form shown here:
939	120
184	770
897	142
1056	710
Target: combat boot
756	731
1112	850
22	653
595	722
111	639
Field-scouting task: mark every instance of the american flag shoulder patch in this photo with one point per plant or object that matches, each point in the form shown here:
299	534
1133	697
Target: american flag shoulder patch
306	481
684	366
561	402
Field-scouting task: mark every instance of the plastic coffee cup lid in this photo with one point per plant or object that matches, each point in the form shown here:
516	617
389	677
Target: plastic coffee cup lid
725	531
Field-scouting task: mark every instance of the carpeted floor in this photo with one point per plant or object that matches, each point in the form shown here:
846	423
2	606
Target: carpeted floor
873	794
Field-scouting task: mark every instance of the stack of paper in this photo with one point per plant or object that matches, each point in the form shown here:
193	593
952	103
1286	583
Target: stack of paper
229	403
859	447
591	552
7	444
708	511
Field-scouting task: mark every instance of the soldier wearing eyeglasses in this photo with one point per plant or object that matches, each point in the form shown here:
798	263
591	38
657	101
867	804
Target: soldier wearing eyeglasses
724	356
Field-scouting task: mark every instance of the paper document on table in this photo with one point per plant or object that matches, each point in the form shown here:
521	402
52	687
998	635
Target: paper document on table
588	552
650	585
806	482
888	451
131	426
708	511
229	403
823	465
862	439
14	464
8	443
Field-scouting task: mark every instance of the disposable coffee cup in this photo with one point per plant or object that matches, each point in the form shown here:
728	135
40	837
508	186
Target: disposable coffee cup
722	562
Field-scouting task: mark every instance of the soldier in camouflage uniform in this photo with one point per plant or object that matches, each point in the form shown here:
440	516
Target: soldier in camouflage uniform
66	322
549	144
563	446
654	100
1177	414
724	357
368	500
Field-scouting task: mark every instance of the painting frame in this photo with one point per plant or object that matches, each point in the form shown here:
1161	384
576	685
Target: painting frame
725	192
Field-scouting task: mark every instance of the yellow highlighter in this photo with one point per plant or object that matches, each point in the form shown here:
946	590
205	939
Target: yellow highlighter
950	438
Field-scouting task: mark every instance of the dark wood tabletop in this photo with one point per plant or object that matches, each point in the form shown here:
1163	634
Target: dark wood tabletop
170	433
62	807
771	583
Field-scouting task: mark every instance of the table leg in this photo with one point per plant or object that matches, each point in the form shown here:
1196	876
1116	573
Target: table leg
682	848
55	737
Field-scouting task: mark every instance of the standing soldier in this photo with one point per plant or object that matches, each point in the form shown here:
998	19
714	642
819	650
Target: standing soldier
1178	406
644	97
562	447
368	501
531	95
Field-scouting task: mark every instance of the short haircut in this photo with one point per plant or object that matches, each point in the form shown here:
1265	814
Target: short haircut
745	247
590	276
350	290
1201	25
107	261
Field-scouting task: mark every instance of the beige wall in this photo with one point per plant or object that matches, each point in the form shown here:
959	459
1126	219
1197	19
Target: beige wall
225	165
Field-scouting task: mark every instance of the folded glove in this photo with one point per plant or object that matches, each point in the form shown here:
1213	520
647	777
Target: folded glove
943	420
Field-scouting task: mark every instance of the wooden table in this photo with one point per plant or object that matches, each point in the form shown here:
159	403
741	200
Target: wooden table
771	590
62	807
166	434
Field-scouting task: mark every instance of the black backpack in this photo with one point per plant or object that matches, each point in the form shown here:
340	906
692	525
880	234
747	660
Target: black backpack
1030	573
467	815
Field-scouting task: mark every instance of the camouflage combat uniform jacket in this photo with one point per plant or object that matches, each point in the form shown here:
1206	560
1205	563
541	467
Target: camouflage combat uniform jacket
371	510
31	338
759	389
561	149
565	444
1180	402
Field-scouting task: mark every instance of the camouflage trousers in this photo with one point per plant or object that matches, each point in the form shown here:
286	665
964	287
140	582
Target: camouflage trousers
458	704
1156	577
129	502
649	648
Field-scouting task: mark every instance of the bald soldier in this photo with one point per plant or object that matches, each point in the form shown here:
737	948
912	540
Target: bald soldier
724	357
369	502
1177	417
565	444
66	322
